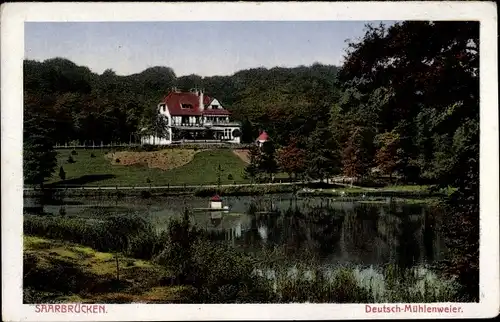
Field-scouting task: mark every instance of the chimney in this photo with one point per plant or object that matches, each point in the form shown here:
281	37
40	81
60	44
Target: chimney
202	106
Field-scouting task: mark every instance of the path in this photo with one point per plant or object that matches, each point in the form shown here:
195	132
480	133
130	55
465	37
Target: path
348	185
169	187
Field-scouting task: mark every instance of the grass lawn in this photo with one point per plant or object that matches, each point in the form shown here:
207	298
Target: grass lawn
87	276
419	201
99	171
397	188
405	188
422	192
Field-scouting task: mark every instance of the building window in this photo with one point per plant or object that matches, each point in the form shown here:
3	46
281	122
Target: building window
186	106
215	107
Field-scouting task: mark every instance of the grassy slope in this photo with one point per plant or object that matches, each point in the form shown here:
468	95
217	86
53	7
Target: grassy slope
139	279
99	171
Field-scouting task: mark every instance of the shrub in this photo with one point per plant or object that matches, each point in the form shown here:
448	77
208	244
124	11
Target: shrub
71	160
73	152
62	174
217	273
92	155
230	177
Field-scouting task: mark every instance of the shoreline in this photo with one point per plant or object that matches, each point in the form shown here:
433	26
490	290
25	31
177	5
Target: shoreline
363	195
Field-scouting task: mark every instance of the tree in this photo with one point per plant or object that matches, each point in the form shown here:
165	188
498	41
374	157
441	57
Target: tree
252	170
236	133
386	157
419	69
155	124
219	174
292	159
430	71
355	159
39	156
267	162
108	107
323	159
62	174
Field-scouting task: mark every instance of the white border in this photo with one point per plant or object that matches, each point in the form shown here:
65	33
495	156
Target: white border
13	16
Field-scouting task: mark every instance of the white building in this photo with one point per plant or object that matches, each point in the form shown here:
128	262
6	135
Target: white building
195	116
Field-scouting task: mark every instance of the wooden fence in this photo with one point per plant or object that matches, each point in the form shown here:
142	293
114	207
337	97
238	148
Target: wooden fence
185	144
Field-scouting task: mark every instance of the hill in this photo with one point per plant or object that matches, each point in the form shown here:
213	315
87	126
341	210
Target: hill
86	106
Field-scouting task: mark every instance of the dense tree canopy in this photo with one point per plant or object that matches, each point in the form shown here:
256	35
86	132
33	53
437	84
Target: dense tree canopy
109	107
416	86
39	157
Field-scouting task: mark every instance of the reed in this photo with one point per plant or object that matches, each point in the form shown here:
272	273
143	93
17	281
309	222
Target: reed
217	273
130	234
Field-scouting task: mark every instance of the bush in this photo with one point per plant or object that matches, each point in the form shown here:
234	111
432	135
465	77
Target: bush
143	148
92	155
73	152
226	276
62	174
217	273
230	177
71	160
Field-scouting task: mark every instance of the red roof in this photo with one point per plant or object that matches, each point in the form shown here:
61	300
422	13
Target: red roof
216	198
263	136
175	100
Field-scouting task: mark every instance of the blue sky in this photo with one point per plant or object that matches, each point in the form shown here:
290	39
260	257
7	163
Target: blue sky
204	48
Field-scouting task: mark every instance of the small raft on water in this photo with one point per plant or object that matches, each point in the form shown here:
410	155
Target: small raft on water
215	204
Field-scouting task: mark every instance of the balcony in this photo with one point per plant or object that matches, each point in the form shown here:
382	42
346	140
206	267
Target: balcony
206	125
221	123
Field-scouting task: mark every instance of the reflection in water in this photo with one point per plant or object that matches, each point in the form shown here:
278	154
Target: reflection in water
327	230
363	234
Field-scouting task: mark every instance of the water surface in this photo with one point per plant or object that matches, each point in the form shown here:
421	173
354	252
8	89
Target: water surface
331	231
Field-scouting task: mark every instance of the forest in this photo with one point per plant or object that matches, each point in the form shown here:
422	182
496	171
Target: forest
404	102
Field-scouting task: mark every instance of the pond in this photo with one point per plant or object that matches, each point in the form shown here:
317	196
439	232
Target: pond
331	231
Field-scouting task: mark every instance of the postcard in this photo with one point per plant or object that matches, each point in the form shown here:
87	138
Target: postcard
249	161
